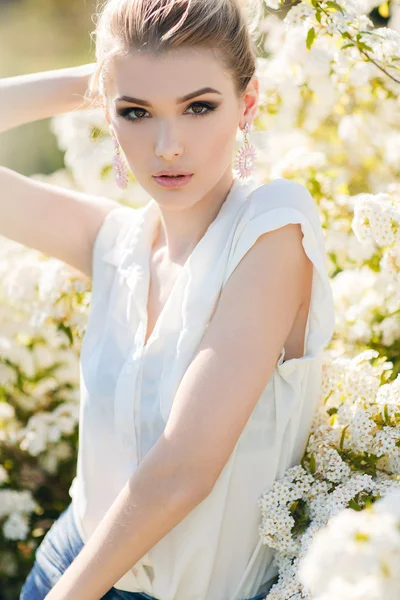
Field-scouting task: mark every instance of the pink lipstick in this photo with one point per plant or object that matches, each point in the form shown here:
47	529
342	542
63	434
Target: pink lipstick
173	181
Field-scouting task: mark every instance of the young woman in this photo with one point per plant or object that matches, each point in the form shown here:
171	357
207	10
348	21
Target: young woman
211	306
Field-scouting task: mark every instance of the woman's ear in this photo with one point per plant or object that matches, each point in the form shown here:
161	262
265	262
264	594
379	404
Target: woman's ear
250	100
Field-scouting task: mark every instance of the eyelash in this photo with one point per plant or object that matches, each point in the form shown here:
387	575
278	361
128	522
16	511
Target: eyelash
124	112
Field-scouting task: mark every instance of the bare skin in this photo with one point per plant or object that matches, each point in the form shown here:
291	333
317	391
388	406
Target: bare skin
59	222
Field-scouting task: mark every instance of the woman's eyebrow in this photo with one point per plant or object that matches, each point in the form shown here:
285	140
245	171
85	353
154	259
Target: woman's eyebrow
185	98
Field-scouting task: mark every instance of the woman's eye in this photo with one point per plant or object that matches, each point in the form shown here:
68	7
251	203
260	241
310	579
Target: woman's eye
128	111
200	109
202	105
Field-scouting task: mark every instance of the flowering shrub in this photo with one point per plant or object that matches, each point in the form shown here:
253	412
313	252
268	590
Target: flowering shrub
352	459
344	154
43	310
357	555
329	118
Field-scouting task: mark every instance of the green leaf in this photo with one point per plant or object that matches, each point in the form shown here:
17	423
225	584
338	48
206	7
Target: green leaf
313	465
335	6
364	46
354	505
67	331
342	437
386	413
310	37
328	396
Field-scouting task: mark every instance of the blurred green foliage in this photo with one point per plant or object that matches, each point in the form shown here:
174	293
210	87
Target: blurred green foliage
40	35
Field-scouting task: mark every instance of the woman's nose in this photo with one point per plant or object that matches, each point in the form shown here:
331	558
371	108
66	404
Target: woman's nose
168	143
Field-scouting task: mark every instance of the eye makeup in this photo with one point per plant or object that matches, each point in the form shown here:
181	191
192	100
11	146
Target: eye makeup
124	112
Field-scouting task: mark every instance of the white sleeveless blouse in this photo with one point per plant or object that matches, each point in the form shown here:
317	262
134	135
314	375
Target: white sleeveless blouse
128	387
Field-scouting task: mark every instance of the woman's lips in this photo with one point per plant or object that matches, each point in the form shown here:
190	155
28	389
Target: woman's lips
172	182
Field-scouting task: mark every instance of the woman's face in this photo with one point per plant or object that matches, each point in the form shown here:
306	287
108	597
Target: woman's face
162	131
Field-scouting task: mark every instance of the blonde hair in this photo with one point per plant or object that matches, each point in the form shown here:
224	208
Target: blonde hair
229	27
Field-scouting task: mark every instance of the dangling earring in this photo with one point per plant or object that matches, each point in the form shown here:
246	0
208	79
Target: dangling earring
119	167
245	158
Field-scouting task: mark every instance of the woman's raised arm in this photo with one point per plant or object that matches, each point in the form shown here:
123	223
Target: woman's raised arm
60	222
26	98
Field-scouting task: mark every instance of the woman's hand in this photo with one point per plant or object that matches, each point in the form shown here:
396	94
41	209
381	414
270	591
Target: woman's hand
26	98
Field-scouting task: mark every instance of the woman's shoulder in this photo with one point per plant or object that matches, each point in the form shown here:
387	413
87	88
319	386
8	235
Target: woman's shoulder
270	207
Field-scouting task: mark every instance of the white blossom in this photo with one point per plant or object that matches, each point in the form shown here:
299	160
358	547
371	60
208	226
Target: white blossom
16	527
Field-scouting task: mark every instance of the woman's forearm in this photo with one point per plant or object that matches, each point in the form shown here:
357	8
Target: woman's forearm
154	500
35	96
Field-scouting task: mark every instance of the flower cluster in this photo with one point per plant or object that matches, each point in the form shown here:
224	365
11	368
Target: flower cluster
351	460
16	506
377	218
357	555
44	309
347	20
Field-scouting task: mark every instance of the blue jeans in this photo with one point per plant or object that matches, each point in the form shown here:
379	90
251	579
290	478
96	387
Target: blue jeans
59	547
